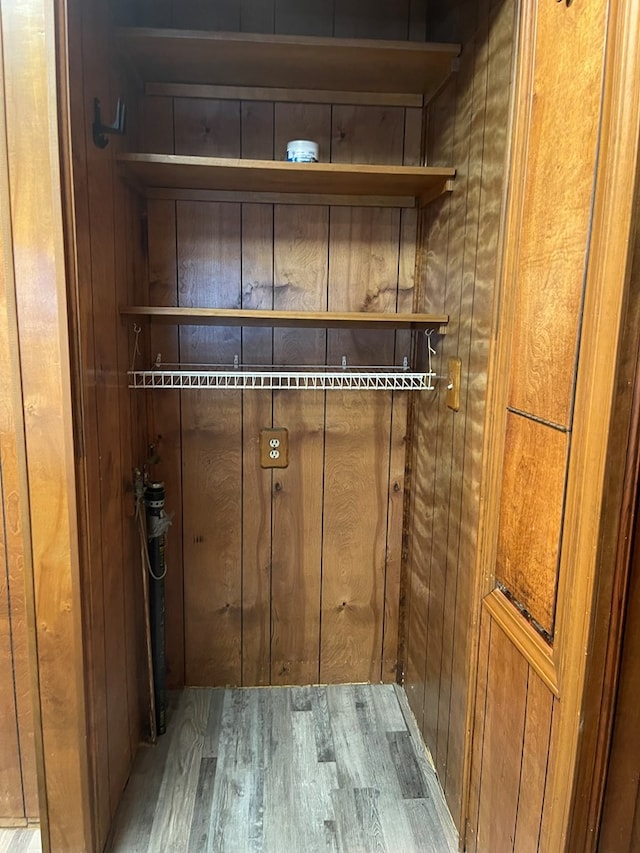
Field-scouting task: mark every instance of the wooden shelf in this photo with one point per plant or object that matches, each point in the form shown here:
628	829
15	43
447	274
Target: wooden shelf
251	59
285	319
274	176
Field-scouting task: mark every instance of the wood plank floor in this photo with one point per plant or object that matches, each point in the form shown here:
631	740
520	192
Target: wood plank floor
285	770
20	840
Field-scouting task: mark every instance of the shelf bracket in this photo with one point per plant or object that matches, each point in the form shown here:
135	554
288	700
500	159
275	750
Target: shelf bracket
101	130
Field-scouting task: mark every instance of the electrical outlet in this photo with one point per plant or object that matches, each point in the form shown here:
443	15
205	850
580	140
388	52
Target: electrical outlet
274	448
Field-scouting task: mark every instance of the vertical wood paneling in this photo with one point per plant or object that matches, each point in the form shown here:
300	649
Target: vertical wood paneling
257	414
206	128
127	238
367	134
156	125
466	127
166	424
418	20
386	19
504	723
257	16
500	45
467	435
510	748
12	806
363	266
431	290
398	444
312	19
154	13
442	608
300	274
257	410
363	275
107	261
109	474
21	665
35	269
296	258
484	644
18	784
209	275
91	534
205	15
533	773
301	236
356	472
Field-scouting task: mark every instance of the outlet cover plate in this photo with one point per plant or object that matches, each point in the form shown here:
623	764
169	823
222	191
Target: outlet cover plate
453	384
274	448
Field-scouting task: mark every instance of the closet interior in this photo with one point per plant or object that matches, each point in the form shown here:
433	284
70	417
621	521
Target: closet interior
223	292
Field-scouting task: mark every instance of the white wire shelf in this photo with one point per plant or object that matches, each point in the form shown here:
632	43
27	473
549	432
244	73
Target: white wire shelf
299	378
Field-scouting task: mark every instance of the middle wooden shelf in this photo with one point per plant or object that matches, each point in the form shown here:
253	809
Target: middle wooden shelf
423	183
285	319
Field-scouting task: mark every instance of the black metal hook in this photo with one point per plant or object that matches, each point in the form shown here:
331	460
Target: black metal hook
100	130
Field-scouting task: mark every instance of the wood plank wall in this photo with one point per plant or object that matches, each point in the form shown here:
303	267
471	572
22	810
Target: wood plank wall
18	783
512	741
289	577
467	127
107	263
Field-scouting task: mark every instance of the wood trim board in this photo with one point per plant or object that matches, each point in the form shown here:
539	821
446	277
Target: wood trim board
537	653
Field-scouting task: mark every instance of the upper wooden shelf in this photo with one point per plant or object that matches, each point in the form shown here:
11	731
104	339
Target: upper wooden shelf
275	176
250	59
285	319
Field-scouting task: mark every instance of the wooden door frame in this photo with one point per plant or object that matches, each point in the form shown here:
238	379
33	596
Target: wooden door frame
614	570
575	665
34	264
623	581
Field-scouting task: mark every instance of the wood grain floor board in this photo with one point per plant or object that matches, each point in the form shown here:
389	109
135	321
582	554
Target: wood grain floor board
212	736
25	840
442	820
412	781
176	798
325	747
387	708
288	769
359	825
202	810
138	805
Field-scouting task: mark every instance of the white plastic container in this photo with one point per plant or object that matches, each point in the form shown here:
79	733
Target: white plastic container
302	151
